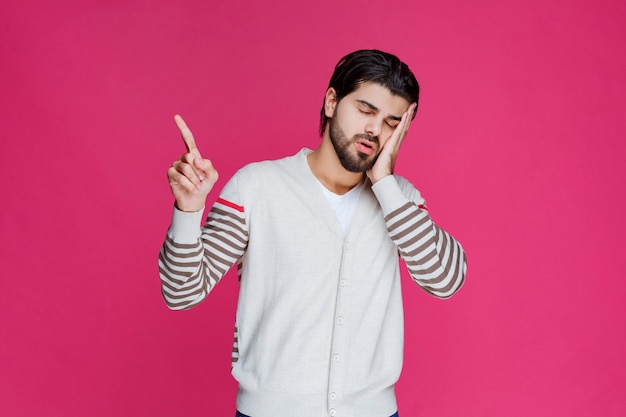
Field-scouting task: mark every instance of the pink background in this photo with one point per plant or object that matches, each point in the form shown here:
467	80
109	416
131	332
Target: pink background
518	146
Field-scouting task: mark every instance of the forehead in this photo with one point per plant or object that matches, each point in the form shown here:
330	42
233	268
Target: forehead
380	97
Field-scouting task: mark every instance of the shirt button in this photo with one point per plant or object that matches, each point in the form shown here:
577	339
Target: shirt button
336	358
343	282
333	396
332	412
340	320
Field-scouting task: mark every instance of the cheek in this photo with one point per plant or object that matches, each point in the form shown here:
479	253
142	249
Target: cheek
384	138
386	132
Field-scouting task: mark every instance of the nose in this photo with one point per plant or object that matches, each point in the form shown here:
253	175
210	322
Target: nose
374	127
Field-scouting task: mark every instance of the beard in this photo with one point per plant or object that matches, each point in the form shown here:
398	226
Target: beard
350	158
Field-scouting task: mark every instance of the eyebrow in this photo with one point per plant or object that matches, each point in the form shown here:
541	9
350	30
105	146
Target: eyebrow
376	109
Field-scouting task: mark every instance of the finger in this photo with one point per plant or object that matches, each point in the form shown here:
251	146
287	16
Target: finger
210	173
405	123
398	133
196	163
185	132
176	179
412	110
189	172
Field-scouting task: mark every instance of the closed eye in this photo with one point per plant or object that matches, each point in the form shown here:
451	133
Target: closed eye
366	107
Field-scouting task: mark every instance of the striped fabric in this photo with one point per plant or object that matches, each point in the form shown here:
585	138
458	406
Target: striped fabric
187	275
434	259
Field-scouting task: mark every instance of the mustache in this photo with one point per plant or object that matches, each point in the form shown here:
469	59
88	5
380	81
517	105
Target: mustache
365	136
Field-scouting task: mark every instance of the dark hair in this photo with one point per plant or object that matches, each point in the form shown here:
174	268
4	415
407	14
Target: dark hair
376	66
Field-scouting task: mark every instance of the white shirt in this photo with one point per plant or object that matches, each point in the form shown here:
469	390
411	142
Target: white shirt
343	205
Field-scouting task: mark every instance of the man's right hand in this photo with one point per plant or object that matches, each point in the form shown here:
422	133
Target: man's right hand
191	177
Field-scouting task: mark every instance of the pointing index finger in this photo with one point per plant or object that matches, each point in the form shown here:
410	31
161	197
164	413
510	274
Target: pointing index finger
190	143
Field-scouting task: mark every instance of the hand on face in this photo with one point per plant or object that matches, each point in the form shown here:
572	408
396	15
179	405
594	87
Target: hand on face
388	154
191	177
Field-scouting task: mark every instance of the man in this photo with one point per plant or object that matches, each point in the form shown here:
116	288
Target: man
316	238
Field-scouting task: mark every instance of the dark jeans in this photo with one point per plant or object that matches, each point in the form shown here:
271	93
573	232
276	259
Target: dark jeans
243	415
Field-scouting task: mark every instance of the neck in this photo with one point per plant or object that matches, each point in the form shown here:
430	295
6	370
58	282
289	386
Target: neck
327	168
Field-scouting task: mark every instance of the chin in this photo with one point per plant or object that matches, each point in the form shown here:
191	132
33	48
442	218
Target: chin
358	164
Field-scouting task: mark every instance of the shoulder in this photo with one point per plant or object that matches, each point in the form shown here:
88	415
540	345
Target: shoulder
267	180
257	170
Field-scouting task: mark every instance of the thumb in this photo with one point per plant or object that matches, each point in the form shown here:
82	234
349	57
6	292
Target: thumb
206	167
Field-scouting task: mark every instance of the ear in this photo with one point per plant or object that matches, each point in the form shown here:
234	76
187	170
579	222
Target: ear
330	102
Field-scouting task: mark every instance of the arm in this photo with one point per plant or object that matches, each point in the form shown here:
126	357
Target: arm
193	259
435	260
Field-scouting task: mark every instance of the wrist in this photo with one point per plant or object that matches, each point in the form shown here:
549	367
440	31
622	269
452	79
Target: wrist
188	208
374	178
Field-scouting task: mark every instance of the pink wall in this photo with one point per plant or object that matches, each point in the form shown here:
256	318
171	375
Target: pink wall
518	146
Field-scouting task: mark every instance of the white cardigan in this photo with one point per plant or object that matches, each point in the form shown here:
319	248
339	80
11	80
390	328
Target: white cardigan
319	319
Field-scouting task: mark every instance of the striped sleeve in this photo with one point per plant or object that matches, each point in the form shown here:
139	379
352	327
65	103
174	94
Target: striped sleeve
435	260
193	259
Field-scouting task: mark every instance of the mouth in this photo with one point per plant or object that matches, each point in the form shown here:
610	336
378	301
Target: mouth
365	146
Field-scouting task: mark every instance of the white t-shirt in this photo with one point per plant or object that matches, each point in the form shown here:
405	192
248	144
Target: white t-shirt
343	205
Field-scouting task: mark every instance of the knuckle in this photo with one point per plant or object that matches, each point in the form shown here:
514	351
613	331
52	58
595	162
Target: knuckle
190	173
187	170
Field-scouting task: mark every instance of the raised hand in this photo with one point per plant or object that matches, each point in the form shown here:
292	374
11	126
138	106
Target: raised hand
191	177
389	153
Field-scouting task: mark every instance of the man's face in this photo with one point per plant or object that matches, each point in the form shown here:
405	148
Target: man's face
362	122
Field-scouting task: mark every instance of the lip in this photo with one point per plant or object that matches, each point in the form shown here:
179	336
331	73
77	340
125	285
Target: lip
365	146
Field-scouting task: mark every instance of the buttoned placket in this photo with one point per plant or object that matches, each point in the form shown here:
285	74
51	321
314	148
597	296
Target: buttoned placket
337	362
